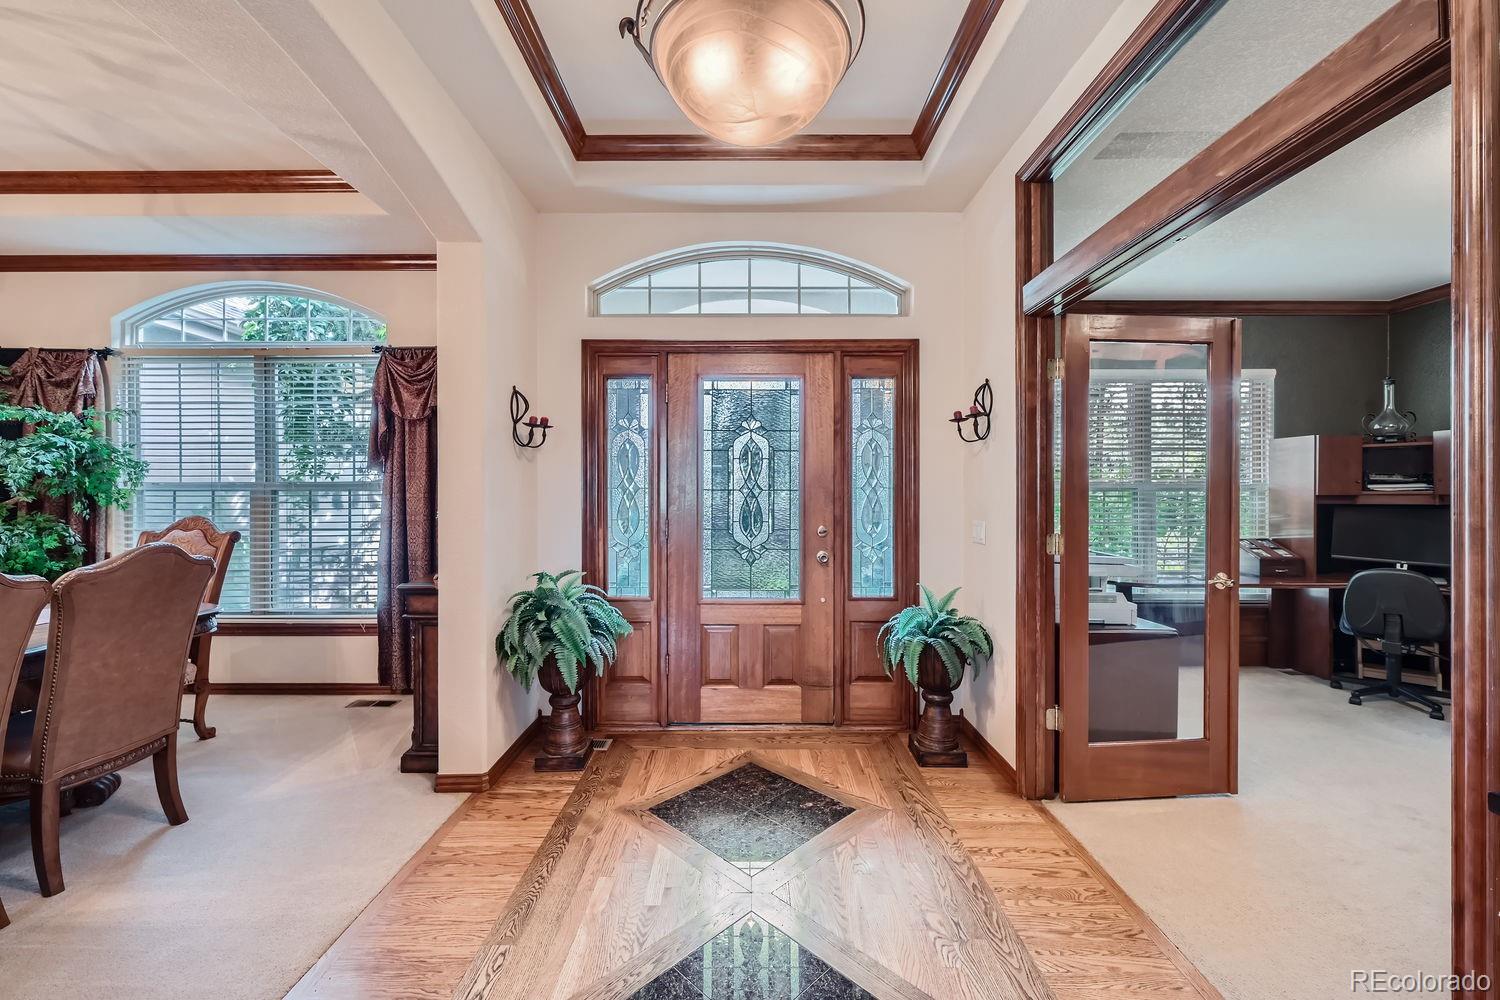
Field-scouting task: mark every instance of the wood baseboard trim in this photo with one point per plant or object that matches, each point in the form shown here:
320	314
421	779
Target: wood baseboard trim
475	783
999	763
277	687
1206	989
255	627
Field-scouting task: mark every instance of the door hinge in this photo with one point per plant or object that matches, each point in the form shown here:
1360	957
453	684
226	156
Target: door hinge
1055	369
1053	720
1054	544
667	668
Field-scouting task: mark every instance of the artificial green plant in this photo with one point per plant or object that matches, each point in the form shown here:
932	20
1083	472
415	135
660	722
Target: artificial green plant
933	624
564	618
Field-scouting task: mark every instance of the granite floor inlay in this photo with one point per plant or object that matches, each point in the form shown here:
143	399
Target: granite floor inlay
751	960
751	817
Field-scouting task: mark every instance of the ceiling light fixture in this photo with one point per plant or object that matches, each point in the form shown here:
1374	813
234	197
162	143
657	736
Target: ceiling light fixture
749	72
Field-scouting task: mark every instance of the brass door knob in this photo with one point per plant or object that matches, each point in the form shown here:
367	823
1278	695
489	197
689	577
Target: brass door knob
1221	581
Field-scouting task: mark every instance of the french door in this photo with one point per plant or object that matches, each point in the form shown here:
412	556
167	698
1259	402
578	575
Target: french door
750	508
1149	612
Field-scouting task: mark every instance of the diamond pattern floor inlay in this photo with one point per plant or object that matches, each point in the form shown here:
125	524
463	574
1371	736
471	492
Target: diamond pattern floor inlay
751	817
751	960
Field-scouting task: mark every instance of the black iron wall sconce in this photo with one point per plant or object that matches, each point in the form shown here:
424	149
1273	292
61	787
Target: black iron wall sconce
979	413
519	407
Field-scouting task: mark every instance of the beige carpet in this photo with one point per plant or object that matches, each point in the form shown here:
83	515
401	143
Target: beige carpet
298	818
1333	857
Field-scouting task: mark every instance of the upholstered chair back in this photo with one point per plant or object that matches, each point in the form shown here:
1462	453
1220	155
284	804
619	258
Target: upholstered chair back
113	678
22	599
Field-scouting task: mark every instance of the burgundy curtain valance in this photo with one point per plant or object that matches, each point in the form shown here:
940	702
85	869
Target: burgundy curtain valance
403	443
58	380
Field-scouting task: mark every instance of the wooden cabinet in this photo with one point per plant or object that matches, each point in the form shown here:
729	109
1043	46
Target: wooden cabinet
419	627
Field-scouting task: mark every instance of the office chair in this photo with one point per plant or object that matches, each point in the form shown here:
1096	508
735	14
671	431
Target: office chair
1401	610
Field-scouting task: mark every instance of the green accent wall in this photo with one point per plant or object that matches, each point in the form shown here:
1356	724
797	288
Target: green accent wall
1329	368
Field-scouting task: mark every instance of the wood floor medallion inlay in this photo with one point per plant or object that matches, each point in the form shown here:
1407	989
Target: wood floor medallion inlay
799	869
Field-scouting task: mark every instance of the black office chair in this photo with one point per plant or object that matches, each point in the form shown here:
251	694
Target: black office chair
1401	610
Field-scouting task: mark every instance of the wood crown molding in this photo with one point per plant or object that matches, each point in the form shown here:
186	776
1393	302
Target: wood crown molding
172	182
489	779
218	262
1261	307
973	27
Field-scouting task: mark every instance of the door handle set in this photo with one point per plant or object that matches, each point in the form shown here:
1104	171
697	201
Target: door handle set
1221	581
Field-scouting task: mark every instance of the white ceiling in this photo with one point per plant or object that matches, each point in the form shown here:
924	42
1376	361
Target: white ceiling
1247	52
1370	221
616	92
85	86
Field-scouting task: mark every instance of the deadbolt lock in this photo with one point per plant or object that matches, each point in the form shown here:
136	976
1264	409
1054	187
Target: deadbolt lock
822	531
822	558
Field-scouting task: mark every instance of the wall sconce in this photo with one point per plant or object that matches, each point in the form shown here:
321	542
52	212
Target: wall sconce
519	407
979	413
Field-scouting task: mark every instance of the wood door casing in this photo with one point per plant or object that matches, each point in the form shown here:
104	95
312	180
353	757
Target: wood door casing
1143	768
633	694
751	659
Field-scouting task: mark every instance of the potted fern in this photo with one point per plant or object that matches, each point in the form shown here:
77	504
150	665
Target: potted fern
557	632
933	643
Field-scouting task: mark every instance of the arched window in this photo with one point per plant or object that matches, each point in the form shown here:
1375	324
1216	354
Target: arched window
251	405
748	279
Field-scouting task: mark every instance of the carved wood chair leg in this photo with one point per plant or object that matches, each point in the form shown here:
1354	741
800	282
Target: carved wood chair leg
201	649
46	847
4	920
164	761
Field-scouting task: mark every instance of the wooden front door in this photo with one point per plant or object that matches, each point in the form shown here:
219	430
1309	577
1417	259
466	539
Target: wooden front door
1150	519
751	509
750	522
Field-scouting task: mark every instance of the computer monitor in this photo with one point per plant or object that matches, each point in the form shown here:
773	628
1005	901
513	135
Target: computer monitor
1416	536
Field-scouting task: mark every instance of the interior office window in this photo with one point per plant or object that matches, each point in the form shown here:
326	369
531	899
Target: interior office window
253	408
1148	467
746	280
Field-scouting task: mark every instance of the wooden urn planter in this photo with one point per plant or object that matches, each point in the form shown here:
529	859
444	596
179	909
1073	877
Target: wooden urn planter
565	744
935	743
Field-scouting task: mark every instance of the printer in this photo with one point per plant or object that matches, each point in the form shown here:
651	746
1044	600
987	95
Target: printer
1107	606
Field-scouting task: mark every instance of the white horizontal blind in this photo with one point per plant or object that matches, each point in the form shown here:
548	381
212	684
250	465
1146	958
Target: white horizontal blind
1148	467
274	445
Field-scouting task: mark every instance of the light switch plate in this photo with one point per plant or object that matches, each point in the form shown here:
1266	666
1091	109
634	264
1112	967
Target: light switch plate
976	532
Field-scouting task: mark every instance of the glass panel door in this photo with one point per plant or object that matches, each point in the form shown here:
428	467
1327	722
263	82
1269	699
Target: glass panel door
1149	512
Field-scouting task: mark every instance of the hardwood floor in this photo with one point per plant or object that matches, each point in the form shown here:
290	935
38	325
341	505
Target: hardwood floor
896	881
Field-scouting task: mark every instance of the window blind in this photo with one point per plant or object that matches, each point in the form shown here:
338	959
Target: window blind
1148	466
275	446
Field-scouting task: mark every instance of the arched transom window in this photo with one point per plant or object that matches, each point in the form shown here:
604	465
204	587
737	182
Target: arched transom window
252	406
748	280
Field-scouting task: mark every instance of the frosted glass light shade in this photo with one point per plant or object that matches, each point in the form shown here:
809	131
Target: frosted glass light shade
751	72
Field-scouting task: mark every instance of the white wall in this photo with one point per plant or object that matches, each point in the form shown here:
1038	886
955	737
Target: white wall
923	249
77	309
989	324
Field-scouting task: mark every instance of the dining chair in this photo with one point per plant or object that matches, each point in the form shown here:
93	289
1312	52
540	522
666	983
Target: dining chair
201	537
21	600
111	687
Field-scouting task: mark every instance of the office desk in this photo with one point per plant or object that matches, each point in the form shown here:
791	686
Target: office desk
1304	631
1133	681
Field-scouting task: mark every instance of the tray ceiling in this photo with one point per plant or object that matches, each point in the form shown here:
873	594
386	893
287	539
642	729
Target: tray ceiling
615	92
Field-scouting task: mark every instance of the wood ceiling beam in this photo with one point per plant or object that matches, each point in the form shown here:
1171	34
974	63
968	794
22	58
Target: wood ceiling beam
1399	59
973	27
218	262
1262	307
172	182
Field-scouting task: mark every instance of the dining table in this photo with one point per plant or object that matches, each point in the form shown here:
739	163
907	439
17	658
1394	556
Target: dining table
95	792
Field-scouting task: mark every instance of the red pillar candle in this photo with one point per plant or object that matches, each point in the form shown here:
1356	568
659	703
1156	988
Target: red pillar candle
957	415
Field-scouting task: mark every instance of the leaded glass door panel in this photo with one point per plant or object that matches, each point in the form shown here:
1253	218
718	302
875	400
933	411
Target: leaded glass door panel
752	565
